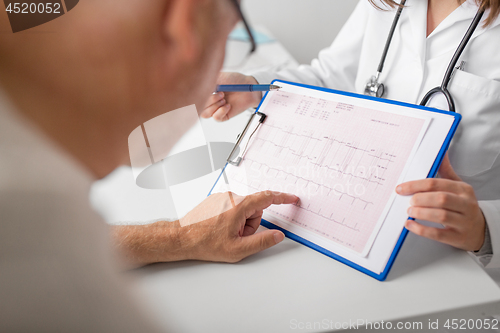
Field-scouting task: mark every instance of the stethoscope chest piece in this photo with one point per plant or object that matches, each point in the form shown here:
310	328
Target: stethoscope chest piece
374	88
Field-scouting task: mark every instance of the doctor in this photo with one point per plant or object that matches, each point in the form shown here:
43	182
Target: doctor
466	200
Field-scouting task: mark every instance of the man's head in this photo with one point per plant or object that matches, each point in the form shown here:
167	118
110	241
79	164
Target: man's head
91	76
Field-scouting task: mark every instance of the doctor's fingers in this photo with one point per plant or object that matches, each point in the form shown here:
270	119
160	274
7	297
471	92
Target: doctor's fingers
222	113
215	102
446	170
448	236
433	185
437	215
445	200
215	98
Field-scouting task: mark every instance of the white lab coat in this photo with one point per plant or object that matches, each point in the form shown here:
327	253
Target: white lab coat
415	64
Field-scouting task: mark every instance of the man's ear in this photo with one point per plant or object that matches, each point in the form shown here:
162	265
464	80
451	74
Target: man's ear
181	27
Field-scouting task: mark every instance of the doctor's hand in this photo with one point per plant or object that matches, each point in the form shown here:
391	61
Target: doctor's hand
223	106
447	201
222	228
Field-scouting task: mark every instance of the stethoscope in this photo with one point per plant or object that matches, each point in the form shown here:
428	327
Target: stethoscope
377	89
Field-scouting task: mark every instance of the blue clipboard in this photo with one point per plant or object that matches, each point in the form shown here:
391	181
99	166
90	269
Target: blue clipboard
432	173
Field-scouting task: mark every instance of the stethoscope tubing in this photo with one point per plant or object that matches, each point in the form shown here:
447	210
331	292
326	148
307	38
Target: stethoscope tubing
451	66
389	37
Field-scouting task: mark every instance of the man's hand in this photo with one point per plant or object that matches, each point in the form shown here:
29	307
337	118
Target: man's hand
450	202
222	228
223	106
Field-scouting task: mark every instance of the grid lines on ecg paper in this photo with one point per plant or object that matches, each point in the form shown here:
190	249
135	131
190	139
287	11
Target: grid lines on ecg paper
342	161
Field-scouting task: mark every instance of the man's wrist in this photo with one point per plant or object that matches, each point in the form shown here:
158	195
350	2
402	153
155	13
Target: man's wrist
146	244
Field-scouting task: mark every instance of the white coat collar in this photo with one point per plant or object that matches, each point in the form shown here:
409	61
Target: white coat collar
416	13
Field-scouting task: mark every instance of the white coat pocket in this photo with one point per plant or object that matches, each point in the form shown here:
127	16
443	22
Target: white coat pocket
476	145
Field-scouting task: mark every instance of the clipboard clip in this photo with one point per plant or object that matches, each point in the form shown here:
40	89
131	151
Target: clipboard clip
237	161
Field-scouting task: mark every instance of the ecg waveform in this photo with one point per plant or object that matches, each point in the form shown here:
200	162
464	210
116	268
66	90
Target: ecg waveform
342	161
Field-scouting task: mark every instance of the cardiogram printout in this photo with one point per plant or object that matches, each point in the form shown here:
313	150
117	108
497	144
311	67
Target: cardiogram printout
343	162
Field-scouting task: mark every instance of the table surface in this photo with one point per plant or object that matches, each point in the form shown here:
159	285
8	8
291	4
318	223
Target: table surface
291	283
289	286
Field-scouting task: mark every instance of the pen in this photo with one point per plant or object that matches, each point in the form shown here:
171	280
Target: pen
246	87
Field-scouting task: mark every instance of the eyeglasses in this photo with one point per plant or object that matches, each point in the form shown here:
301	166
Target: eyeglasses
247	27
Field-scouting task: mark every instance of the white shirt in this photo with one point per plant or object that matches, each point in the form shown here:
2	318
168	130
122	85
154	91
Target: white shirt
415	64
57	273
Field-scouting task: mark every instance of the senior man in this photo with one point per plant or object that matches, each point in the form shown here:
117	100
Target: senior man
71	91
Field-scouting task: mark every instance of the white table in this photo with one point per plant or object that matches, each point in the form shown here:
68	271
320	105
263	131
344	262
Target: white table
267	292
291	286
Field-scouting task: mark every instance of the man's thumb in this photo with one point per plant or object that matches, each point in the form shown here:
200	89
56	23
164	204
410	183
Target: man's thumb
260	241
446	170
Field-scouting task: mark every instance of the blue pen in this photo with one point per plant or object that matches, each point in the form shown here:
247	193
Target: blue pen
246	87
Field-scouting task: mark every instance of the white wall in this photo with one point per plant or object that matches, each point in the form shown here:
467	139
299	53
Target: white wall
303	26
